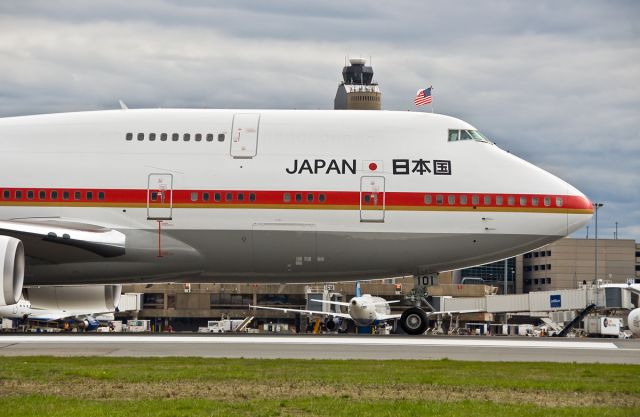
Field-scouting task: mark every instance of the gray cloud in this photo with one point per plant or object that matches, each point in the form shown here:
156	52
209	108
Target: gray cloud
556	83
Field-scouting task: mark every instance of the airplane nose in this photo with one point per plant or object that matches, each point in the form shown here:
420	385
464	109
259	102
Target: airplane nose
579	209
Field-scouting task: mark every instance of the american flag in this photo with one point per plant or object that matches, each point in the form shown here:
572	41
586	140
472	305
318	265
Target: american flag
423	97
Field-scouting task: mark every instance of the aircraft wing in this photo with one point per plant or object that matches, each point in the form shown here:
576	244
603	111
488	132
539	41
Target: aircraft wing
438	313
389	316
57	240
320	313
335	303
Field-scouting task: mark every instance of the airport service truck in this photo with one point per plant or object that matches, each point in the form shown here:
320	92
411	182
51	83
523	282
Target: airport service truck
603	326
220	326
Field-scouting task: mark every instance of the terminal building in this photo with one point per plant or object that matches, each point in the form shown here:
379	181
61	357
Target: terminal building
358	91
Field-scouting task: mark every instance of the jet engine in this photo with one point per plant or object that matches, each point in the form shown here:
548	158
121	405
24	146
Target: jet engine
332	324
12	270
88	298
634	321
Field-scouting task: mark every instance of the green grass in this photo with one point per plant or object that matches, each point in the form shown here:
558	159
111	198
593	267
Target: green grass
95	386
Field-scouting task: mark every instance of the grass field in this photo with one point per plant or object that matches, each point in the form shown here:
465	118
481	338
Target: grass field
91	386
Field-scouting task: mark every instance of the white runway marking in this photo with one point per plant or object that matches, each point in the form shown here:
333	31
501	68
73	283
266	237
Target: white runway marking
314	340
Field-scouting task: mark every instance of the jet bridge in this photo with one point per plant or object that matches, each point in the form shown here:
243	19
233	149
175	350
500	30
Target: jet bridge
543	301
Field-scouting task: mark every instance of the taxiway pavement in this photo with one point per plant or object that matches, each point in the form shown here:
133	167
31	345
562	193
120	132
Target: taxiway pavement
477	348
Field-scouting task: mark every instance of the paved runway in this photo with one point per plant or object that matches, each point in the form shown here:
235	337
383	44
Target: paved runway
327	347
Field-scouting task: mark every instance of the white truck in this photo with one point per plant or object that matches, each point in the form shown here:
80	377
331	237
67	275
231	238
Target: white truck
220	326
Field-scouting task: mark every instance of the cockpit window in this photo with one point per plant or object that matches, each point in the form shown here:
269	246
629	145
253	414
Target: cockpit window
456	135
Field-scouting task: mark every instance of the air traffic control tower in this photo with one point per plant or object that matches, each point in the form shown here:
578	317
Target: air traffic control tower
357	91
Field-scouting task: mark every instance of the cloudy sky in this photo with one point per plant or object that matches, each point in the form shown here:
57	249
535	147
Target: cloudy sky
557	83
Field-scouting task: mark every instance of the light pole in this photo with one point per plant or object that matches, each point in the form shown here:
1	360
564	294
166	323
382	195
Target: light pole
596	206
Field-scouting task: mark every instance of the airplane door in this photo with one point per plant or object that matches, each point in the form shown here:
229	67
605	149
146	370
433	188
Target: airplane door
160	197
372	199
244	135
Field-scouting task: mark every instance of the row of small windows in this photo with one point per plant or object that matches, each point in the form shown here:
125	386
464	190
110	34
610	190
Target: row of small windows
175	137
543	267
541	253
52	195
240	197
488	200
365	98
217	197
537	281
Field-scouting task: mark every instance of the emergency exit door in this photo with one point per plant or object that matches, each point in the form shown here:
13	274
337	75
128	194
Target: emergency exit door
244	135
372	199
160	197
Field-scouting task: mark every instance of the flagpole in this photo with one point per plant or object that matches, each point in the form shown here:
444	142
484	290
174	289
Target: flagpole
431	87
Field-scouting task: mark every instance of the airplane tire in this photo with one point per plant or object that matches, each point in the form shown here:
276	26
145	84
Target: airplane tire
414	321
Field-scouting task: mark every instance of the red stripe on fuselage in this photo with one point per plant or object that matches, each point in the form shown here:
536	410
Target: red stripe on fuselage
307	197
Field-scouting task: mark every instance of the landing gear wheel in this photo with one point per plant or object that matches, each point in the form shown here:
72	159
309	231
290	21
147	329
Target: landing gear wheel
414	321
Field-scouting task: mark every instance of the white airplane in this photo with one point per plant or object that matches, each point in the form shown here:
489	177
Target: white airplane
86	304
363	309
131	196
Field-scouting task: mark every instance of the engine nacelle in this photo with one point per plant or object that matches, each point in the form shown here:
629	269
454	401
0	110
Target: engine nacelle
86	298
11	270
634	321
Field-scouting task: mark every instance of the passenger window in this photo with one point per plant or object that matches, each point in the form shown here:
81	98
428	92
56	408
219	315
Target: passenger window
453	135
66	195
6	194
367	198
186	137
175	137
101	195
30	195
240	196
511	200
198	137
152	137
194	196
77	195
54	195
217	197
163	137
523	201
140	136
129	136
499	200
209	137
18	195
451	199
439	199
286	197
42	195
427	199
559	201
464	135
475	200
221	137
322	198
487	200
154	196
534	201
252	196
89	195
310	198
547	201
205	196
228	197
298	197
